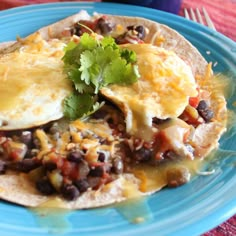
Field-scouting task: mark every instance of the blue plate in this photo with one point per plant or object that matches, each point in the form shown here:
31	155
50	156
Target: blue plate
188	210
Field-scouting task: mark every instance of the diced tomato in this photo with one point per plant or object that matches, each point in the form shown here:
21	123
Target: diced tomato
74	172
106	176
66	168
14	156
161	145
70	170
194	101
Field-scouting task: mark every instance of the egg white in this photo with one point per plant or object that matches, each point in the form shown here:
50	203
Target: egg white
32	84
166	82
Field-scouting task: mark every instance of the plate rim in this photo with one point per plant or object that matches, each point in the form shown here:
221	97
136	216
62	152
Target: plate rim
205	30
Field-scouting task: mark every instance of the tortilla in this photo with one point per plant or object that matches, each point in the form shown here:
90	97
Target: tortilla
18	189
174	41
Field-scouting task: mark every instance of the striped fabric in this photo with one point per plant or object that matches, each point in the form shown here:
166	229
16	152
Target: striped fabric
222	12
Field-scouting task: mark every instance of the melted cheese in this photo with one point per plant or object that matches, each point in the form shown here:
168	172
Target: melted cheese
32	84
88	135
153	178
99	128
162	91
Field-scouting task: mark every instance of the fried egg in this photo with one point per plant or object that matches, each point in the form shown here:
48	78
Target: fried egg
166	82
32	84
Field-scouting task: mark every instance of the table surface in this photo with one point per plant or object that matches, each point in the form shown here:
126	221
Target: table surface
223	14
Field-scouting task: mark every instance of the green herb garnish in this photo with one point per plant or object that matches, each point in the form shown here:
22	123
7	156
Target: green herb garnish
91	65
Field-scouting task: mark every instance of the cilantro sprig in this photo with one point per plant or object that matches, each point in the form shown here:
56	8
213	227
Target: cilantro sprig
91	65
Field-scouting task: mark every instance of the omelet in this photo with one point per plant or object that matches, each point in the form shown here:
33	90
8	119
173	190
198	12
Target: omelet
32	84
166	82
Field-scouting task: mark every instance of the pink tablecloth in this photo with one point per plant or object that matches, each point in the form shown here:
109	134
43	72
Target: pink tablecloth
223	14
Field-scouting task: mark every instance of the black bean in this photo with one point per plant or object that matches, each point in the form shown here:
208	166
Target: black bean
202	105
75	156
121	39
3	167
50	165
77	30
103	26
177	176
97	171
101	157
207	115
117	165
25	165
142	155
94	182
204	111
82	185
141	31
130	27
44	186
70	192
100	114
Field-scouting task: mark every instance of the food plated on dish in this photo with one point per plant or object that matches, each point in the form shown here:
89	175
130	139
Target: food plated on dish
99	109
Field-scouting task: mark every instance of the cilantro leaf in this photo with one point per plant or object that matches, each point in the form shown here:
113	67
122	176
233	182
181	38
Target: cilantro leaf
74	75
109	41
118	72
91	65
129	56
76	105
73	50
87	42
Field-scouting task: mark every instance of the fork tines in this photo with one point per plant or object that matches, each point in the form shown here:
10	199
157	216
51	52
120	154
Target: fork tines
198	17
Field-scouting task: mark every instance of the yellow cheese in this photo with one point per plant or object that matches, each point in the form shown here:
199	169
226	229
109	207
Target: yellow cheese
43	139
162	91
32	84
99	128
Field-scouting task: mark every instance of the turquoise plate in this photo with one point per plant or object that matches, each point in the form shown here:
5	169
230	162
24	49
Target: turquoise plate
192	209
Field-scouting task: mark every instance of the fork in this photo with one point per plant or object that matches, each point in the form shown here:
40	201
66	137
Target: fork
198	18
